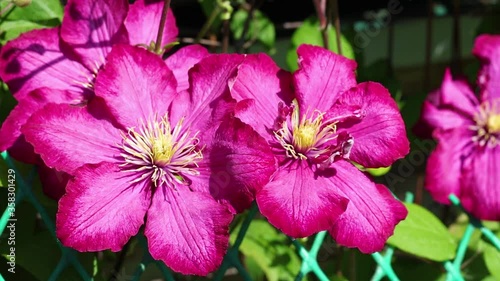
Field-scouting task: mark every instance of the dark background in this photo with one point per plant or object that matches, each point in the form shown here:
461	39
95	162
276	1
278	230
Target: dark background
190	17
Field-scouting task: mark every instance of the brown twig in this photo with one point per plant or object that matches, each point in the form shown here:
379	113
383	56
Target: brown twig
206	42
336	19
161	27
6	9
324	30
238	44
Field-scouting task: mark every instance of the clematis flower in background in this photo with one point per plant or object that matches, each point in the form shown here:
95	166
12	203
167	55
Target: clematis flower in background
58	65
467	130
317	120
137	151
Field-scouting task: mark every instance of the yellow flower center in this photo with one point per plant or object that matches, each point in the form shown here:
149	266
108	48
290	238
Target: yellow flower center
160	151
305	135
493	123
305	130
162	148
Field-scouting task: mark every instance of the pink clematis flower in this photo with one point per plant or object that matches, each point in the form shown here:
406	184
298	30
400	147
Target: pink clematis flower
467	129
139	150
59	64
317	120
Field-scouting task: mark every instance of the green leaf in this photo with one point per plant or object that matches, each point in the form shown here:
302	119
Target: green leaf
39	11
254	269
310	33
12	29
492	260
424	235
3	175
261	28
270	249
377	172
7	101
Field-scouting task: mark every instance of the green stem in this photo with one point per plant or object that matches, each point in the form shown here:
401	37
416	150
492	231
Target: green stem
208	23
336	19
246	224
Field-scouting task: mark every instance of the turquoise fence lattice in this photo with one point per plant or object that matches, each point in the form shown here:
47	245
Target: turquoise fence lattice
309	263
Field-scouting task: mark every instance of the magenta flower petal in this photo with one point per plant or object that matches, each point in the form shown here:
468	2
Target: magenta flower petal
36	59
372	212
322	76
187	230
91	27
101	208
379	136
445	163
208	91
262	86
457	94
300	203
433	117
143	20
487	49
33	101
481	184
67	137
183	60
241	163
134	84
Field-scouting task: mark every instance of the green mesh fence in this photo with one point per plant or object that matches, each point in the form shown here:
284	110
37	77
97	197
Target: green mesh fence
309	262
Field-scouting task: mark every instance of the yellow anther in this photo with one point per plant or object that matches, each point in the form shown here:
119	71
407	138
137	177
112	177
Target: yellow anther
493	123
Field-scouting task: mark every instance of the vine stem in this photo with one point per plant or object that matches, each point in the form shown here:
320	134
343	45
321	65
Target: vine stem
336	20
6	9
208	23
225	36
161	27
